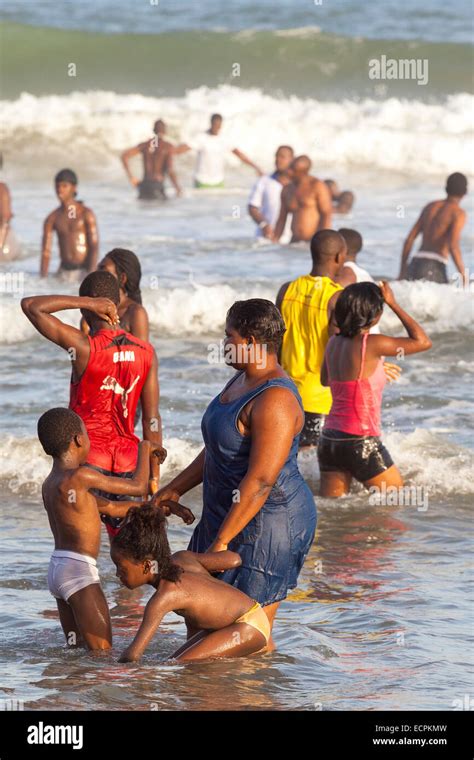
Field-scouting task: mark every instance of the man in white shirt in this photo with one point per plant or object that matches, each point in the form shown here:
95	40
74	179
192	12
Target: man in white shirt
265	198
211	147
351	272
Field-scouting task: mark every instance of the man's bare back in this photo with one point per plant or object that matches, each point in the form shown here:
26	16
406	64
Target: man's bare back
440	224
156	158
438	221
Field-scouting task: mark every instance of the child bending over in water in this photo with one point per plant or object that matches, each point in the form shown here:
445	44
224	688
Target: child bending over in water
221	620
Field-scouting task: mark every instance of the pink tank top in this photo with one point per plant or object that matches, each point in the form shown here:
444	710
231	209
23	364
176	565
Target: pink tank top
357	404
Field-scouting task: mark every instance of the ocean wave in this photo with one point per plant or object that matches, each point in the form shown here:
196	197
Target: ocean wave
90	129
199	309
303	61
424	458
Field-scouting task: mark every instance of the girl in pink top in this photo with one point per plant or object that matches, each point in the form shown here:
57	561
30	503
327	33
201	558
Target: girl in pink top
350	445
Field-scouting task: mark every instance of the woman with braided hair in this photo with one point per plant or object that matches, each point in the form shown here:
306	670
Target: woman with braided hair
125	266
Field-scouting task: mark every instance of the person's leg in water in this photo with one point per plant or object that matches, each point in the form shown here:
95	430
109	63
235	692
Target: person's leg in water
91	614
335	484
236	640
390	477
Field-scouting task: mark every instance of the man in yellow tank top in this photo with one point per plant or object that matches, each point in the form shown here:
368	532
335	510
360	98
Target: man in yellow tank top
307	306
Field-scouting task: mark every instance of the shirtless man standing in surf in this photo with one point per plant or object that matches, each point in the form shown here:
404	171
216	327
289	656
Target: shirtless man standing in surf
440	223
308	199
157	155
76	228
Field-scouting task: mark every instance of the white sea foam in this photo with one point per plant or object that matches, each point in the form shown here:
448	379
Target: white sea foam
392	134
424	458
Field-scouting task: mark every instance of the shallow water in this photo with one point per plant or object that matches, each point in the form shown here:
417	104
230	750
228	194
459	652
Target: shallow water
382	617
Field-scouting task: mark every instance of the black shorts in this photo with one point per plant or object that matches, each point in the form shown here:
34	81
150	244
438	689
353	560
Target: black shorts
427	269
364	457
151	190
313	424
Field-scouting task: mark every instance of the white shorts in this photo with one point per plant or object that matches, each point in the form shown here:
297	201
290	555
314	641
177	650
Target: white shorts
70	572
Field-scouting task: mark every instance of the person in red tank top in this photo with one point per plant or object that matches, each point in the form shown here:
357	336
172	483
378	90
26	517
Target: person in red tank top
350	445
112	371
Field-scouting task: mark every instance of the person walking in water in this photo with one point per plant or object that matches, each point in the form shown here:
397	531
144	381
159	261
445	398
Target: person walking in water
350	445
256	501
157	155
76	227
440	224
212	147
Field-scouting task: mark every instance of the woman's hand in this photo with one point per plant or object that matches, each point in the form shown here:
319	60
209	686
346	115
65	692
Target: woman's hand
165	494
387	293
217	546
392	372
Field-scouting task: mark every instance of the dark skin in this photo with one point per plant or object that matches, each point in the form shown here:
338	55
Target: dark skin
271	421
5	213
157	155
76	227
74	518
342	200
440	224
132	315
308	199
207	604
100	314
283	159
343	357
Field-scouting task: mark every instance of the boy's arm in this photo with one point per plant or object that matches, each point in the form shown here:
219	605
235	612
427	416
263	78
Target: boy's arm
215	562
126	156
324	201
157	607
151	419
39	310
92	240
116	508
455	248
408	245
135	486
46	244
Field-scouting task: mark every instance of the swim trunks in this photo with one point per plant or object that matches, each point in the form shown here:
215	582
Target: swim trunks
427	265
70	572
257	618
151	190
202	185
364	457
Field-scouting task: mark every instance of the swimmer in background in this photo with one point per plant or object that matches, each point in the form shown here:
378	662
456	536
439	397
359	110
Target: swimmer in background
221	620
350	444
76	228
342	200
265	198
440	223
157	155
5	216
211	147
308	199
125	266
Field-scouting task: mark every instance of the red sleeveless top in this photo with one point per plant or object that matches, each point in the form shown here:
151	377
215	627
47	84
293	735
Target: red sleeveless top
107	395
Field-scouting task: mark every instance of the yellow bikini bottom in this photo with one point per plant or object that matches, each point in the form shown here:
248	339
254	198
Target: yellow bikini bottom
257	618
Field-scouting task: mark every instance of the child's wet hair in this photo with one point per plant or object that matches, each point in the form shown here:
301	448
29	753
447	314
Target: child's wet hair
143	536
357	307
56	429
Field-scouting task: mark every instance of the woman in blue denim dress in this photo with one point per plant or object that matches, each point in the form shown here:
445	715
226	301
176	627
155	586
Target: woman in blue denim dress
255	500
